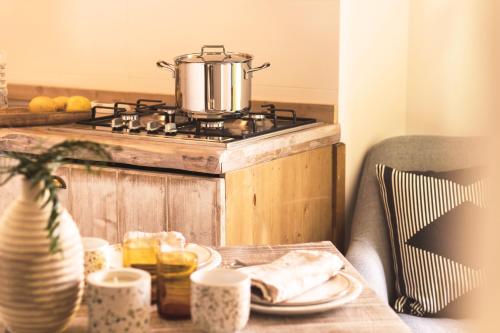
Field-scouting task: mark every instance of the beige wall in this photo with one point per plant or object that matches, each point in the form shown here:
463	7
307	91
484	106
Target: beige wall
414	67
450	61
114	44
373	68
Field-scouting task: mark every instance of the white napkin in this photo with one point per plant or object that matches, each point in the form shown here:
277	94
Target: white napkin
293	274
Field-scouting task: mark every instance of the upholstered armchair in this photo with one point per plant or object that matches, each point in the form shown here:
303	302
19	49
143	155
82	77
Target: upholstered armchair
369	248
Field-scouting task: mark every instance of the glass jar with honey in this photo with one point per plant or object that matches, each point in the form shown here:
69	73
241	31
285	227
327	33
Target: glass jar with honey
174	269
140	250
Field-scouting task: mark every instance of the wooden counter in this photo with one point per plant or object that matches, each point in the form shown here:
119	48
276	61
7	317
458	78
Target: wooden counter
166	153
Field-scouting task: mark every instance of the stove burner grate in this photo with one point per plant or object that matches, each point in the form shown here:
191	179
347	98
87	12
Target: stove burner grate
154	117
206	125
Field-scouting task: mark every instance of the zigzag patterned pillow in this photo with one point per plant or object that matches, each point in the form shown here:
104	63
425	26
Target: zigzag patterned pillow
433	221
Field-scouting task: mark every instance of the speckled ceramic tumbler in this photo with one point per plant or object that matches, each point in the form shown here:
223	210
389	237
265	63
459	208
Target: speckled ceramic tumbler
220	300
119	301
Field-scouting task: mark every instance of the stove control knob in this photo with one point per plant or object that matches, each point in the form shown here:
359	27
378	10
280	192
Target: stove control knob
129	116
134	126
170	129
153	126
117	124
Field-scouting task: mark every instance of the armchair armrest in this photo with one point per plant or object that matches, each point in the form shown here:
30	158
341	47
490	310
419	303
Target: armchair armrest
365	258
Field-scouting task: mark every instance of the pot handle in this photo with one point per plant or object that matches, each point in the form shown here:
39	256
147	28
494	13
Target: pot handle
165	65
213	47
255	69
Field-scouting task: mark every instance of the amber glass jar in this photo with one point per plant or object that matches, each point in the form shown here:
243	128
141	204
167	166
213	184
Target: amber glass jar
140	251
174	269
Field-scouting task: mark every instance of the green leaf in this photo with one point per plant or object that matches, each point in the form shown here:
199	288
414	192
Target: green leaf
54	228
54	244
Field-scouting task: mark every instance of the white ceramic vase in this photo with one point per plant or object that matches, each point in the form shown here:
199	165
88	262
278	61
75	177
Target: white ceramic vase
39	291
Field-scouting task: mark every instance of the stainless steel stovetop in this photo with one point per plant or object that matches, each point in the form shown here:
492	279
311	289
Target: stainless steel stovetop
154	119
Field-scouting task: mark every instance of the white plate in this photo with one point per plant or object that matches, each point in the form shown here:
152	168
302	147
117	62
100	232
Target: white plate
202	252
336	287
352	293
215	260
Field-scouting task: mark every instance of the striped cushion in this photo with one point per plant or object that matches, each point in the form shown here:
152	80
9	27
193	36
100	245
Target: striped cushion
433	220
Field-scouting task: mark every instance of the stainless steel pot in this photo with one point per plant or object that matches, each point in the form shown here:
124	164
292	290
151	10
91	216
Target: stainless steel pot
213	82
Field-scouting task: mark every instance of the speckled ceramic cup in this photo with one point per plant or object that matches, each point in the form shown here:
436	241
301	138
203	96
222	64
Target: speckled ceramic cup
220	300
95	257
119	301
96	254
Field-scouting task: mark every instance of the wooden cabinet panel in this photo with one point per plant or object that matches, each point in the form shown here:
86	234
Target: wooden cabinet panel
339	230
195	207
141	201
111	201
92	200
288	200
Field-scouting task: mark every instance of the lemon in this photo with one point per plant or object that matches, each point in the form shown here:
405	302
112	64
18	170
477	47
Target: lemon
42	104
60	102
78	103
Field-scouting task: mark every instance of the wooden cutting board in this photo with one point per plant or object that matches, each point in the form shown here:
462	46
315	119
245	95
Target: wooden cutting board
21	117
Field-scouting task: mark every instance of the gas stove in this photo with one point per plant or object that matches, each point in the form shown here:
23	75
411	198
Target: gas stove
153	118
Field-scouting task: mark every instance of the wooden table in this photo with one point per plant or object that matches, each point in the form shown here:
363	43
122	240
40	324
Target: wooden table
367	314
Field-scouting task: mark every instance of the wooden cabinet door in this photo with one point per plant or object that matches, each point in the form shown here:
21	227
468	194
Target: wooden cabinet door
284	201
108	202
91	199
196	207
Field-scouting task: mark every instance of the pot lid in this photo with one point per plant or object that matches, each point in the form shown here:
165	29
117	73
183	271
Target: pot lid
213	54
